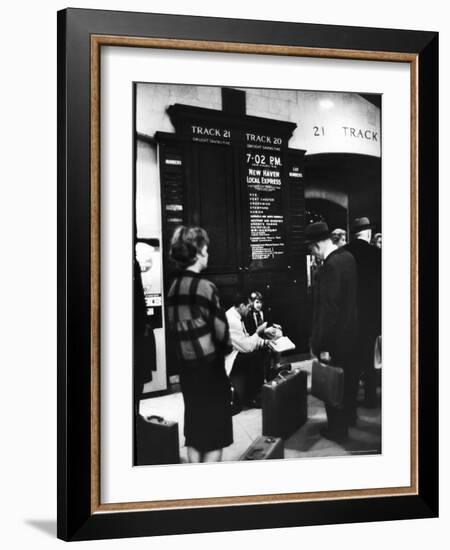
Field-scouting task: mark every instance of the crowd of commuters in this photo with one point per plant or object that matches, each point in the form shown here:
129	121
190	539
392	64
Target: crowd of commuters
224	356
346	314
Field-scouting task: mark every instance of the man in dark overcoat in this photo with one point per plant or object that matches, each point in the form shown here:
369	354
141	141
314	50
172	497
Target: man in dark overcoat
368	263
334	324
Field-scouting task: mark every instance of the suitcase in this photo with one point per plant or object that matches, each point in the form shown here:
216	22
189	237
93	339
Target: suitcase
284	403
265	448
327	383
157	441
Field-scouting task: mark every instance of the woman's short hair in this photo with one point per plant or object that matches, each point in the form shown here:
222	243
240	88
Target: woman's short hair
337	234
186	243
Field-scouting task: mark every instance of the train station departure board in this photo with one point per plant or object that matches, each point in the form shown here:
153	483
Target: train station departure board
264	183
236	176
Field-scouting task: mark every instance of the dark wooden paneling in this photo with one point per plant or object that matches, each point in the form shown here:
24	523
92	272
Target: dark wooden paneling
216	209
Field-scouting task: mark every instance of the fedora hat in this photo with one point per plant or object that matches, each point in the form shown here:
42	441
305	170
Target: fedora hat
315	232
359	224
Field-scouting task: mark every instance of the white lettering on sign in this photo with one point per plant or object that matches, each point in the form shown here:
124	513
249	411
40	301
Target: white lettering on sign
256	138
259	159
271	173
173	161
295	174
174	207
262	139
210	132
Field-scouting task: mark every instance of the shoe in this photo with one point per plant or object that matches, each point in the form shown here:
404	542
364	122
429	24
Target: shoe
352	419
334	436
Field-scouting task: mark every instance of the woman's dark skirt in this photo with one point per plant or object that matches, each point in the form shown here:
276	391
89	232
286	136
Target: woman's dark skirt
206	391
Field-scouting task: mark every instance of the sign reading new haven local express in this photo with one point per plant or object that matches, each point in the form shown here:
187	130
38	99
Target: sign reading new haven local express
263	179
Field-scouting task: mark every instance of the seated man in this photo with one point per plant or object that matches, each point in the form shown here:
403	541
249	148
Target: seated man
247	363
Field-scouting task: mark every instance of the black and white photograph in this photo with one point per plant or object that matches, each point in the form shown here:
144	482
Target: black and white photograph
225	275
257	233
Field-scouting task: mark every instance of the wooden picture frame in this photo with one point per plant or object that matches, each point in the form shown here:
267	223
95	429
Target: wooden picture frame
81	35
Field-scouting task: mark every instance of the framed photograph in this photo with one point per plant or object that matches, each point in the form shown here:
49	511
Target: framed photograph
247	212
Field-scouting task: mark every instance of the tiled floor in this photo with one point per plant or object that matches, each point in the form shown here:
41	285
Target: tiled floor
364	438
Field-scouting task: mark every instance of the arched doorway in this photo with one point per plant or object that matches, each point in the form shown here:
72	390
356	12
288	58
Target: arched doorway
338	182
335	215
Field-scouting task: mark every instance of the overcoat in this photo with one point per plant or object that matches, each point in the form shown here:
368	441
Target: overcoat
334	325
368	265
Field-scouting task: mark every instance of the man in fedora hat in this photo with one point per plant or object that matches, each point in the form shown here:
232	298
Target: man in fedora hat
334	325
368	263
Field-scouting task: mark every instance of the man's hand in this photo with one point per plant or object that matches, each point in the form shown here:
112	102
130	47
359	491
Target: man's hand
260	330
273	333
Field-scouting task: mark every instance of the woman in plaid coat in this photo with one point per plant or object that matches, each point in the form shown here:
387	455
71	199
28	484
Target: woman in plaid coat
202	335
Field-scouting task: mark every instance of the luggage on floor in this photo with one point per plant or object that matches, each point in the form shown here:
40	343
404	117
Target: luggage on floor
264	448
275	369
284	403
157	441
327	383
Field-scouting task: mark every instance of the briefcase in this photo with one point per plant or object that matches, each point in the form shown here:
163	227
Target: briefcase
327	383
157	441
284	403
264	448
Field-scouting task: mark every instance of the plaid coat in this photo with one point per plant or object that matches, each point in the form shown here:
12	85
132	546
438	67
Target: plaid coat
196	319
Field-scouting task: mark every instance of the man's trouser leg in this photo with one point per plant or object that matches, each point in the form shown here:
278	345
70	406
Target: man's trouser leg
337	422
247	375
367	350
